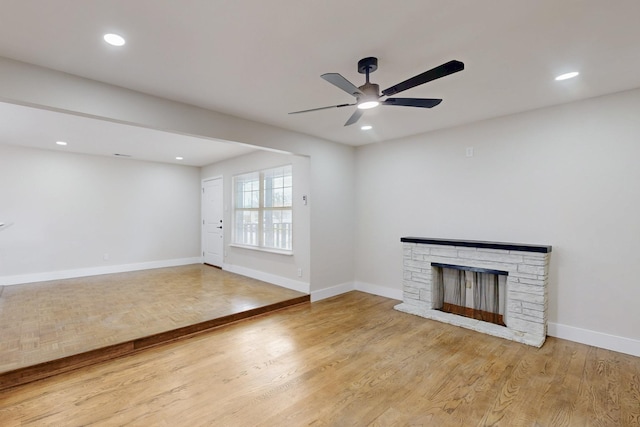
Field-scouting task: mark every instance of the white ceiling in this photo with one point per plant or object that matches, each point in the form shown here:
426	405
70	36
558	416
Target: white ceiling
260	59
37	128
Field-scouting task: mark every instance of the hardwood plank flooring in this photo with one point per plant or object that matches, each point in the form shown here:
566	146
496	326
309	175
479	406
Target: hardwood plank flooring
350	360
50	327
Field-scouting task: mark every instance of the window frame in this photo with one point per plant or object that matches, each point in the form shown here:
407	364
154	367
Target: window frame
260	209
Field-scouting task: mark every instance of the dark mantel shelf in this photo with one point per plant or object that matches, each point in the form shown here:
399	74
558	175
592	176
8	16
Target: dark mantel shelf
479	244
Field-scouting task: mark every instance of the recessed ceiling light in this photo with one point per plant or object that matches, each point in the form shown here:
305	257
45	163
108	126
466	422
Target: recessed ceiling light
114	39
566	76
61	143
366	127
179	158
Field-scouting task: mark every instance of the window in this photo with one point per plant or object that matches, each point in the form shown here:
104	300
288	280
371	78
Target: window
263	208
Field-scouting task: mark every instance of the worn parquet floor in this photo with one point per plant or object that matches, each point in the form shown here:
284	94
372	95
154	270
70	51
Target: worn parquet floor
79	321
350	360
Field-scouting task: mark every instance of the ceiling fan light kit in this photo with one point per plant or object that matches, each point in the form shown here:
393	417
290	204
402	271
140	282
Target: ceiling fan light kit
368	95
366	105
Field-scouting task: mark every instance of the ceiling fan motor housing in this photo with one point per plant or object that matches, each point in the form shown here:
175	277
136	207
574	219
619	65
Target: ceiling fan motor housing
369	64
370	90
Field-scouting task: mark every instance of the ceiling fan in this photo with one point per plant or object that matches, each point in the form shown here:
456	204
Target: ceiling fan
368	95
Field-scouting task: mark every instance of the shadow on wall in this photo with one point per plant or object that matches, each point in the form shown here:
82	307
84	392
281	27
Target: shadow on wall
5	225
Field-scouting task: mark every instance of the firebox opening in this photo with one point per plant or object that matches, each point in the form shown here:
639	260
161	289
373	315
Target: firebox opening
471	292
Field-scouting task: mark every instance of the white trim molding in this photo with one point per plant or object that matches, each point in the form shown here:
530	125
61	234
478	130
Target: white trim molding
285	282
570	333
382	291
343	288
332	291
596	339
95	271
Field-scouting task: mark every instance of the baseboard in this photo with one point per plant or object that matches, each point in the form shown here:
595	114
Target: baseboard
268	277
342	288
597	339
332	291
95	271
571	333
382	291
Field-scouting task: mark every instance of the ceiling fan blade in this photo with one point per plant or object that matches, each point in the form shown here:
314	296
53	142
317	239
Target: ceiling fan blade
322	108
355	117
413	102
433	74
344	84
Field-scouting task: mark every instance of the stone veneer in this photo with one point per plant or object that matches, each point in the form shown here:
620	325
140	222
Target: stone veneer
526	300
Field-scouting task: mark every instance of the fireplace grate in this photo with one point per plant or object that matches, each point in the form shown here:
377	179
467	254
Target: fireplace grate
469	291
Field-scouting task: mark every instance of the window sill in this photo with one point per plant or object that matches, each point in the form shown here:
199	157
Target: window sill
259	249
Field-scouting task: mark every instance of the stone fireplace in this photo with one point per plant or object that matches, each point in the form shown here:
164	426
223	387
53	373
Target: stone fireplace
524	295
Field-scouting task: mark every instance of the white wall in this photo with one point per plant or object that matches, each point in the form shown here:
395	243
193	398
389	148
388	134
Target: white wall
332	165
69	210
565	176
332	204
240	259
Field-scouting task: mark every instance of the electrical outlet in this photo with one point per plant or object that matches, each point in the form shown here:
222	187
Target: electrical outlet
299	272
105	257
469	151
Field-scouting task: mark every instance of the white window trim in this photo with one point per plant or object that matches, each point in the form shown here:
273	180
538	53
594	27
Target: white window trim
260	209
263	249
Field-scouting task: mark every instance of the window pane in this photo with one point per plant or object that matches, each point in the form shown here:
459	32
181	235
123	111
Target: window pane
278	187
277	197
246	189
268	191
246	227
287	197
277	229
268	225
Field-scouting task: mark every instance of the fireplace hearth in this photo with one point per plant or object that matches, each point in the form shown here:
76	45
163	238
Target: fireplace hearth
492	287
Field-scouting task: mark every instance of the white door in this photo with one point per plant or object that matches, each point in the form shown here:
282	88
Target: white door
212	231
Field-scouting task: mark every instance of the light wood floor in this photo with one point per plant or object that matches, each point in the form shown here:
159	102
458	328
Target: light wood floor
348	360
82	319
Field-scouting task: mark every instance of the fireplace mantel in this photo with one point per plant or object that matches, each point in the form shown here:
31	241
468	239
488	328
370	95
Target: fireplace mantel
527	268
479	244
